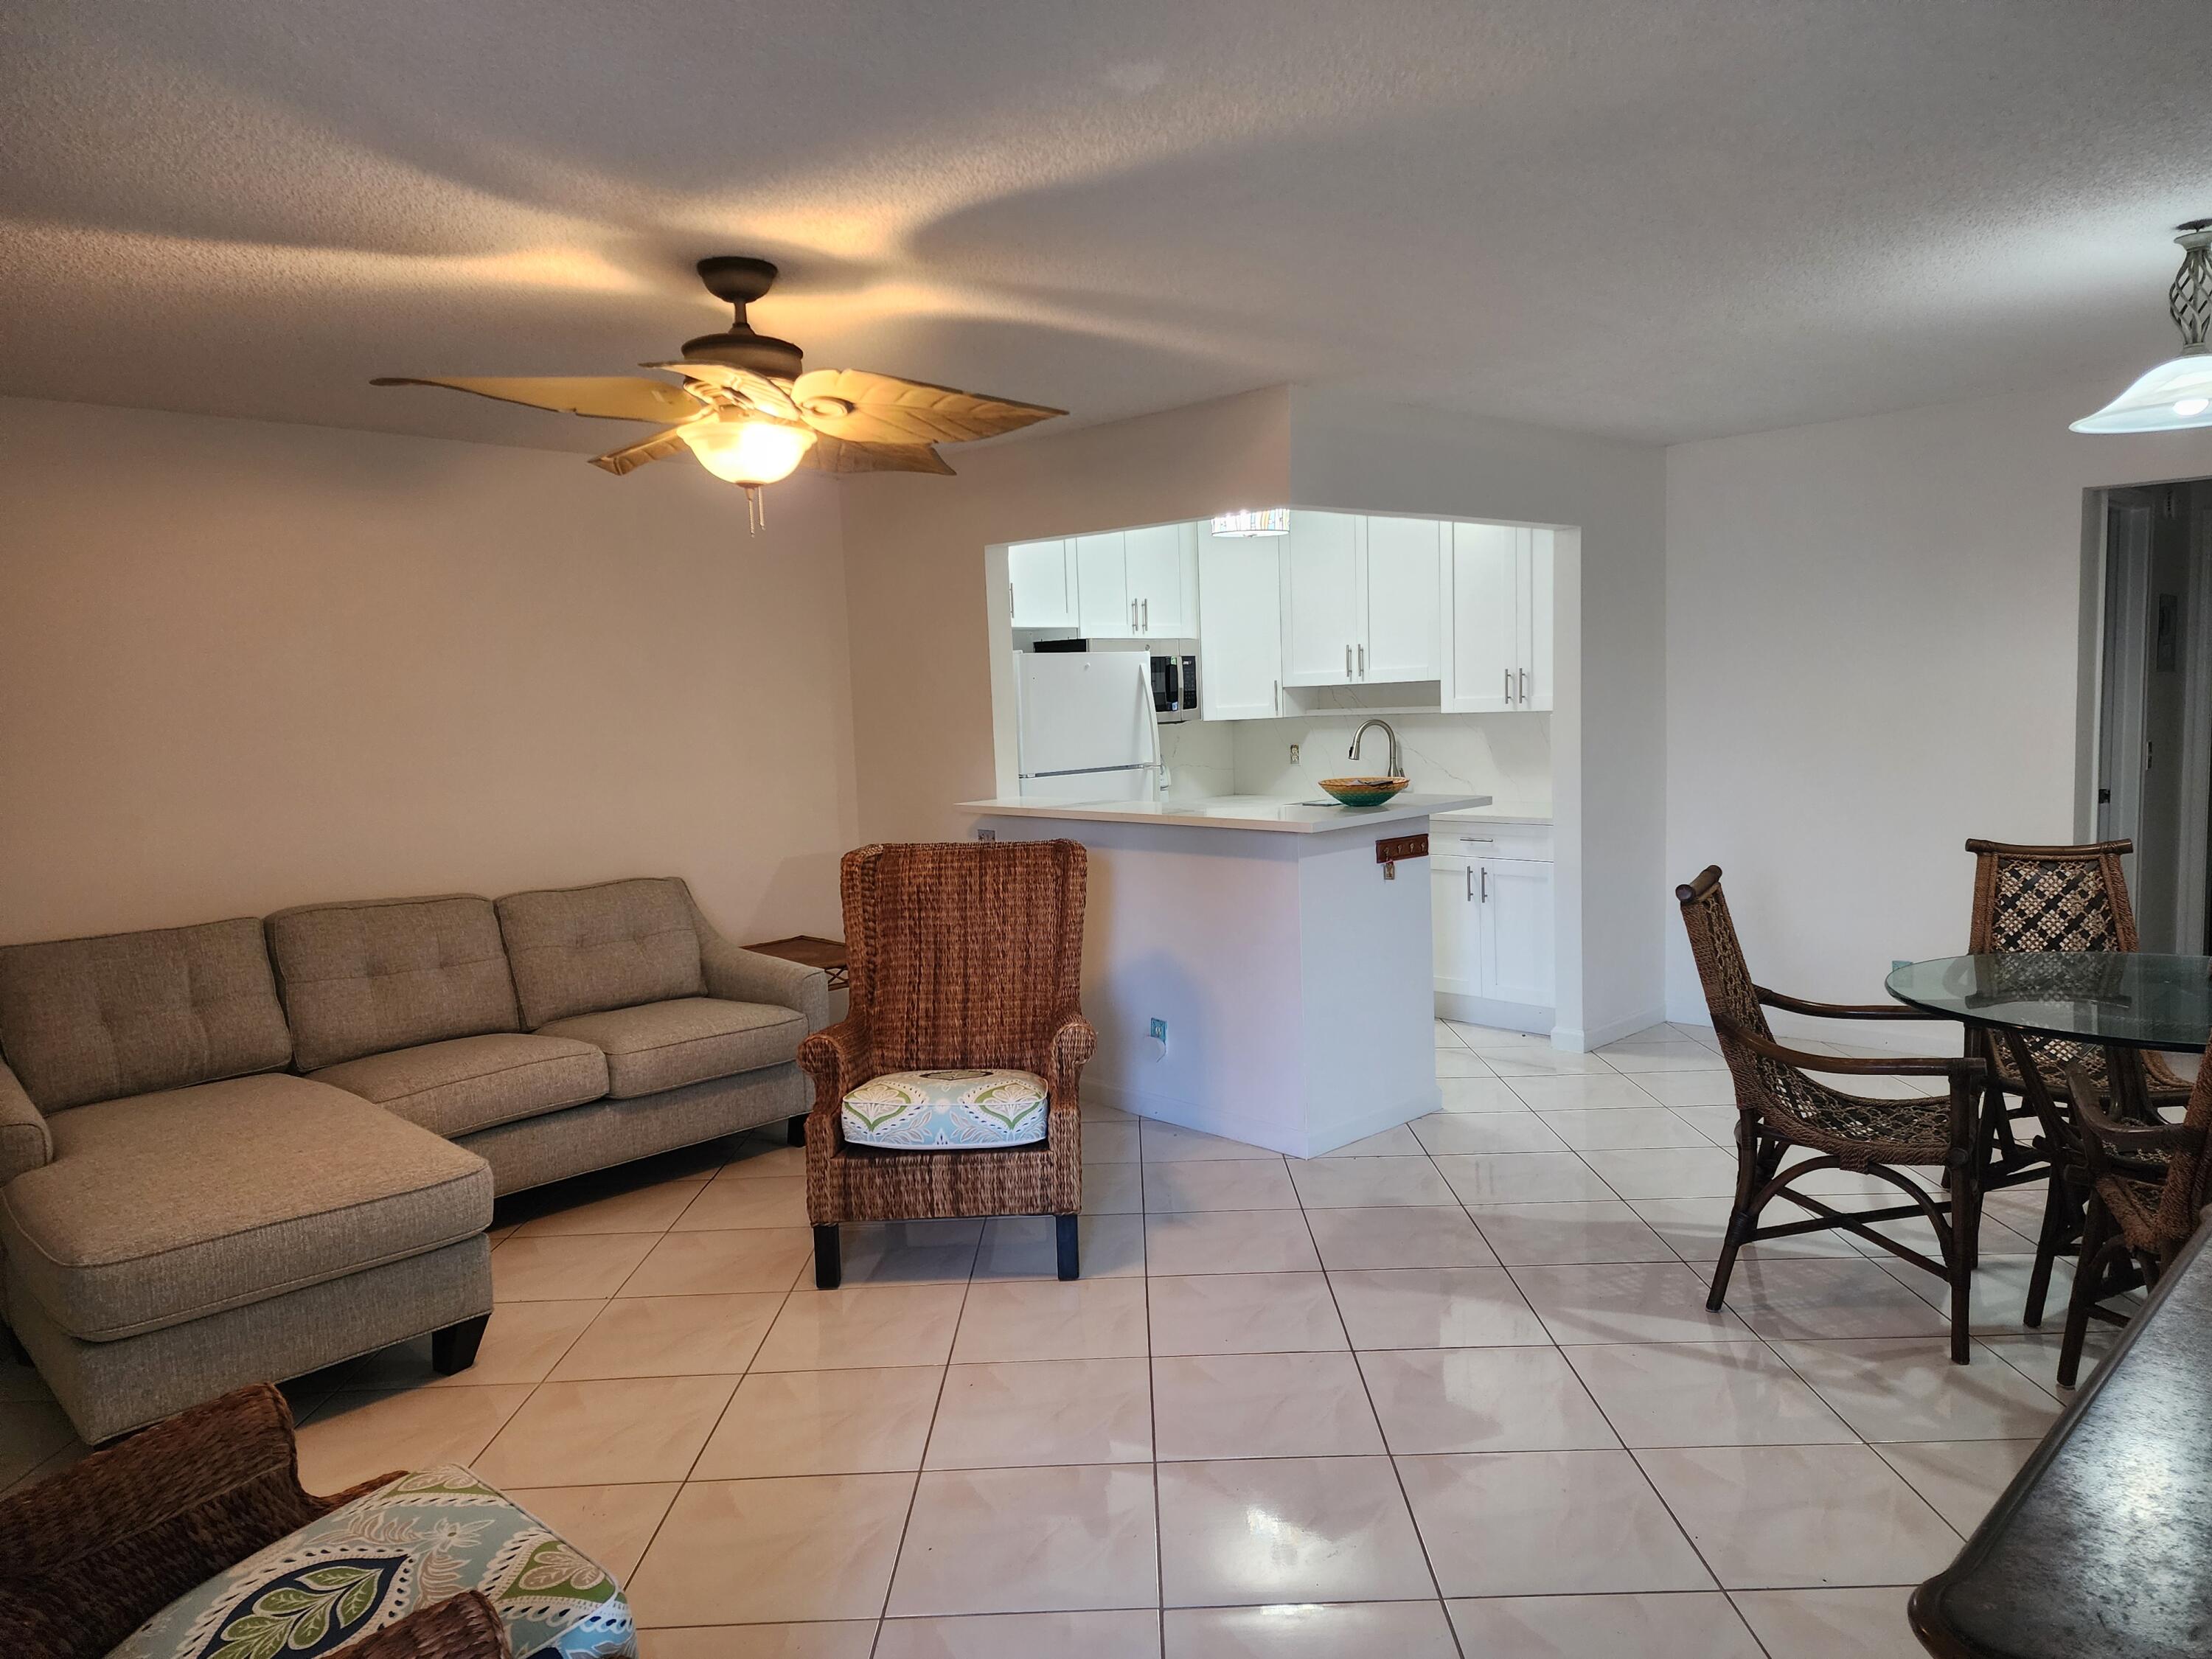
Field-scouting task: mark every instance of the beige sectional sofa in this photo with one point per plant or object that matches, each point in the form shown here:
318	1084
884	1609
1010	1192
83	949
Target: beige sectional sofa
248	1150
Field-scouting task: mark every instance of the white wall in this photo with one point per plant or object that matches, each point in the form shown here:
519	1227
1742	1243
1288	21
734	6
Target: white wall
1873	651
1607	729
246	664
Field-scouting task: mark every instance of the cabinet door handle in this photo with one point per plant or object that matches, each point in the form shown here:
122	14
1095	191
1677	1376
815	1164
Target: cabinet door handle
1509	685
1275	692
1363	662
1148	621
1485	885
1132	616
1347	662
1524	685
1470	884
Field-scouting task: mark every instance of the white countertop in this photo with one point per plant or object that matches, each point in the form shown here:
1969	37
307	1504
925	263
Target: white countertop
1230	812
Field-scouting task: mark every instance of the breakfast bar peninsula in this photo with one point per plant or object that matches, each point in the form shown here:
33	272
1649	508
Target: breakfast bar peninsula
1258	969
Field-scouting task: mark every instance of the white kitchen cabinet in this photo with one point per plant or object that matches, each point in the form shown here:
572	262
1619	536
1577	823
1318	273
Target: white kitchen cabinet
1360	599
1153	559
1498	611
1491	912
1102	586
1513	898
1323	608
1403	641
1130	584
1041	577
1240	639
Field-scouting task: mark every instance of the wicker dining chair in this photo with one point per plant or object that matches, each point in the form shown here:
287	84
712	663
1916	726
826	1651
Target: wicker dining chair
2149	1185
2068	900
1781	1109
962	955
90	1553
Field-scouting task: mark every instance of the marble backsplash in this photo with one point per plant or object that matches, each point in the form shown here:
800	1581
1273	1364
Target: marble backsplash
1506	757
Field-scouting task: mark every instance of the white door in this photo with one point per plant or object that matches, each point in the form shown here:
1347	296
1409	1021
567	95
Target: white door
1323	626
1481	619
1514	898
1404	641
1154	559
1240	634
1044	596
1453	922
1535	602
1102	588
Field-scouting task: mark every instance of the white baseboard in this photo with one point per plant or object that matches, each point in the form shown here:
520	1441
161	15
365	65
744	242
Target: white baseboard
1596	1036
1503	1015
1255	1131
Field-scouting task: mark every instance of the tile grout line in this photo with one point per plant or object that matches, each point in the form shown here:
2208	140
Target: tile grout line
1367	1392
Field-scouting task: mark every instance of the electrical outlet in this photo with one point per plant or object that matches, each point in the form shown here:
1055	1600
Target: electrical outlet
1159	1031
1294	754
987	834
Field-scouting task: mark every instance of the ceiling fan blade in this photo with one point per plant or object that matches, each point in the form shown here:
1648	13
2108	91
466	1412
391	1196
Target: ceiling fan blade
881	408
840	455
610	396
634	456
768	396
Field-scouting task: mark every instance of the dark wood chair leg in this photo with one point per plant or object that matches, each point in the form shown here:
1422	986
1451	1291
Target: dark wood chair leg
795	1132
2050	1238
1755	1167
828	1258
1071	1263
2099	1241
454	1348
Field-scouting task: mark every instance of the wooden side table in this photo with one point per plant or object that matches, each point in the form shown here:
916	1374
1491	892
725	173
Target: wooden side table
809	951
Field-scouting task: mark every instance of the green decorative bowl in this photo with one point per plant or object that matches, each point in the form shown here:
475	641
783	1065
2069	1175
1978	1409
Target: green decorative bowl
1362	792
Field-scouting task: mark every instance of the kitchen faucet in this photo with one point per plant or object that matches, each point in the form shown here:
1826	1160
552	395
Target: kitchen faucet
1397	765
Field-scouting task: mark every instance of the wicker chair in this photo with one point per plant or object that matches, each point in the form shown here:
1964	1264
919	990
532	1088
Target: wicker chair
967	954
2149	1185
92	1553
2065	899
1780	1107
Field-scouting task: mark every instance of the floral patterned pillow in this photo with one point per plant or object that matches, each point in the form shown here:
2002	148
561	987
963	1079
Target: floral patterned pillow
947	1110
421	1539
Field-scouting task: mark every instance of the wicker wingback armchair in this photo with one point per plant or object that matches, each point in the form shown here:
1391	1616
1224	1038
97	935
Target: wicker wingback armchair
963	954
89	1554
2149	1185
1781	1107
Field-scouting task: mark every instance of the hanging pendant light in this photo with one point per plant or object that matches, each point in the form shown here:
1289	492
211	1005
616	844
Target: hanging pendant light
2178	394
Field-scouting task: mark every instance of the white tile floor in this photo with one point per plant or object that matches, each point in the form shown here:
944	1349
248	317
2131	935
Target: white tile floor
1454	1391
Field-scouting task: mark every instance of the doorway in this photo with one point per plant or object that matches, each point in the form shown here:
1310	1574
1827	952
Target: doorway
2155	709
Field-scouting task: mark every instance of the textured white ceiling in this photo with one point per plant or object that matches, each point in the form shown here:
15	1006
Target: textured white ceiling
1655	219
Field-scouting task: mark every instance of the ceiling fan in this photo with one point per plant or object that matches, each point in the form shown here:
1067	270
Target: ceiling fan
750	410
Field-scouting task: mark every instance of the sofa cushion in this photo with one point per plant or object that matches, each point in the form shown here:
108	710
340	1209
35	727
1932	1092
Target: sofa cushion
359	979
578	949
666	1045
956	1106
163	1207
368	1564
86	1019
456	1088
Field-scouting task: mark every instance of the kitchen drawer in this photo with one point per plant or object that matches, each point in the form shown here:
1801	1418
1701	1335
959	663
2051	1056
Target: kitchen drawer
1491	841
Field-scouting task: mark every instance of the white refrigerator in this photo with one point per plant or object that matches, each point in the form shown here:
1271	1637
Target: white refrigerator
1086	726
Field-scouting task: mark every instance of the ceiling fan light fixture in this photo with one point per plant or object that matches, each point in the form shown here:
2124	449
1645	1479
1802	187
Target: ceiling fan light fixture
2177	394
748	450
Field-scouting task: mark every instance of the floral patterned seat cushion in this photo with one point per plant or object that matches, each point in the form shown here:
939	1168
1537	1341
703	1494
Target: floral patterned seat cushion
958	1106
367	1564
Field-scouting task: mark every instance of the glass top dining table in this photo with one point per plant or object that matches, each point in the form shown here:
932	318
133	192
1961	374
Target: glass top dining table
2115	998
